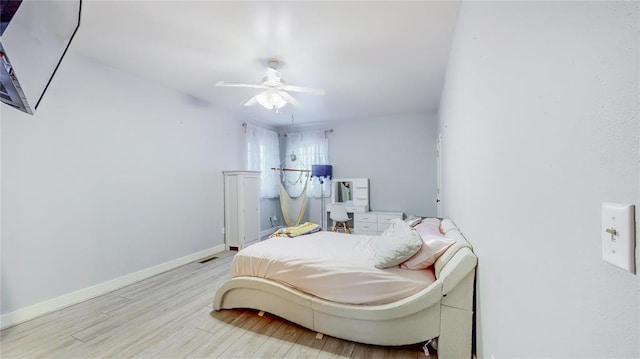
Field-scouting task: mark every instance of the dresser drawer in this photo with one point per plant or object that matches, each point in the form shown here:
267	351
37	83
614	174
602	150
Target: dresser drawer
365	233
382	227
365	227
387	218
356	209
365	217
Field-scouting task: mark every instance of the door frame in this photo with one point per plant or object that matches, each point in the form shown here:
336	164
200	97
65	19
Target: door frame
439	175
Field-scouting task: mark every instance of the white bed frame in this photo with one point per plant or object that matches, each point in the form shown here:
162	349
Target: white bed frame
443	310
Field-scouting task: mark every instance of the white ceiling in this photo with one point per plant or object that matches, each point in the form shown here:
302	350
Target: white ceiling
372	58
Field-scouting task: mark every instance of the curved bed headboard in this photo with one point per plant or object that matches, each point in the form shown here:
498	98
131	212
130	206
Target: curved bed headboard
456	269
452	232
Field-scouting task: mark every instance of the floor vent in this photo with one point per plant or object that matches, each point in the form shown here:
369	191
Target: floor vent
208	259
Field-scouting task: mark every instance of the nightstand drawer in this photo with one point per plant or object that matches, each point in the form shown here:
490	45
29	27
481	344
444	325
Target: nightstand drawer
365	217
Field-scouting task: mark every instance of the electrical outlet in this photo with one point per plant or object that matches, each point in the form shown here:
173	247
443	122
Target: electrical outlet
222	230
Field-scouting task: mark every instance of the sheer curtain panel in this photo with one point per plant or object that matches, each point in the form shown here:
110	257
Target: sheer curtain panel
309	148
263	153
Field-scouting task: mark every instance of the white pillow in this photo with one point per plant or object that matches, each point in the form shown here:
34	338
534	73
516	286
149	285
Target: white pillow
395	245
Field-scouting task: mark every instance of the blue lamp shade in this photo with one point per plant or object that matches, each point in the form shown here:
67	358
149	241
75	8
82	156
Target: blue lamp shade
321	171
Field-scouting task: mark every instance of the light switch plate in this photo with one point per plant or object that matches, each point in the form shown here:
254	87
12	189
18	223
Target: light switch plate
618	235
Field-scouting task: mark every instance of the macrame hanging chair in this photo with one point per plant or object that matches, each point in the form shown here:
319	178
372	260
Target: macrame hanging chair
293	206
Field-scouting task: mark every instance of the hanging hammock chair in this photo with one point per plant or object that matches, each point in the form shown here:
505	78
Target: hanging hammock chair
293	206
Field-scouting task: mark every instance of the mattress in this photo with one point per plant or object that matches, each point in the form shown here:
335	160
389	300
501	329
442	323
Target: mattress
333	266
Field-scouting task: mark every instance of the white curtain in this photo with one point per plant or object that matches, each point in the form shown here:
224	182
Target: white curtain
263	153
309	148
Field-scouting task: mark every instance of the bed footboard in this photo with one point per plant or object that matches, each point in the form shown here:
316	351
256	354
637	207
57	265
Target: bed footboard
272	297
408	321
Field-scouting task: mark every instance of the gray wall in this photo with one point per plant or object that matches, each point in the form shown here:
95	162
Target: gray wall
112	175
540	125
396	153
270	207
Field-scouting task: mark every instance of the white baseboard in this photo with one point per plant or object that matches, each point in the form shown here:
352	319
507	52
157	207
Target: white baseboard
51	305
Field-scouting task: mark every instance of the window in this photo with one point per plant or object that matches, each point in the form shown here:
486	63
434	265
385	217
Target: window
309	148
263	153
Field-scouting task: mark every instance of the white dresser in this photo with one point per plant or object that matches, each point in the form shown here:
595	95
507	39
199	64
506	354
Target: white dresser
374	222
241	208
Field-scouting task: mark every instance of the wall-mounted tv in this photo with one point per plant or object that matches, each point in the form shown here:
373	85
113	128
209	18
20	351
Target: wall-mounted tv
34	39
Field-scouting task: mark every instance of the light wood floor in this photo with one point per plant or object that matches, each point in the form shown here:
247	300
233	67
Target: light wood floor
170	316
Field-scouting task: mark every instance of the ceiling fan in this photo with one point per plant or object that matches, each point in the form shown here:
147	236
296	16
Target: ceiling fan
276	92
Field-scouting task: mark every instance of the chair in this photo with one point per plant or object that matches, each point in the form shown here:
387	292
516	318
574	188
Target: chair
340	218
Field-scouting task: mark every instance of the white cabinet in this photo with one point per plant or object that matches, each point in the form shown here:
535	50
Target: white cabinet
241	208
374	222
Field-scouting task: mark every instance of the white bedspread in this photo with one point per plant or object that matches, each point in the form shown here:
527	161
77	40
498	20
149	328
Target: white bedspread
334	266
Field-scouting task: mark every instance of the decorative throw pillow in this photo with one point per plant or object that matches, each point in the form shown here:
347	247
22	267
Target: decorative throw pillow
395	245
428	226
413	220
433	246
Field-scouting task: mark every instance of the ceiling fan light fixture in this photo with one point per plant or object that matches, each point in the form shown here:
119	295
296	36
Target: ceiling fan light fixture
275	93
271	100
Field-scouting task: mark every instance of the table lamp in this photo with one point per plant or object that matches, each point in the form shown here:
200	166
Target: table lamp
322	172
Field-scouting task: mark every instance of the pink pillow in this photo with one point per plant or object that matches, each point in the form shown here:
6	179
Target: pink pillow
433	246
428	226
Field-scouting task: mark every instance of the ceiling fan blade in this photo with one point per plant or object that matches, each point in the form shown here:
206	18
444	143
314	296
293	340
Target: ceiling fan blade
303	89
250	102
238	84
289	99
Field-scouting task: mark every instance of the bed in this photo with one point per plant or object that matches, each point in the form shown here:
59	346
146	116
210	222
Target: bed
433	303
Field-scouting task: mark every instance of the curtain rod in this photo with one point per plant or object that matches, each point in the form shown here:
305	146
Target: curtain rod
325	132
288	169
244	124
